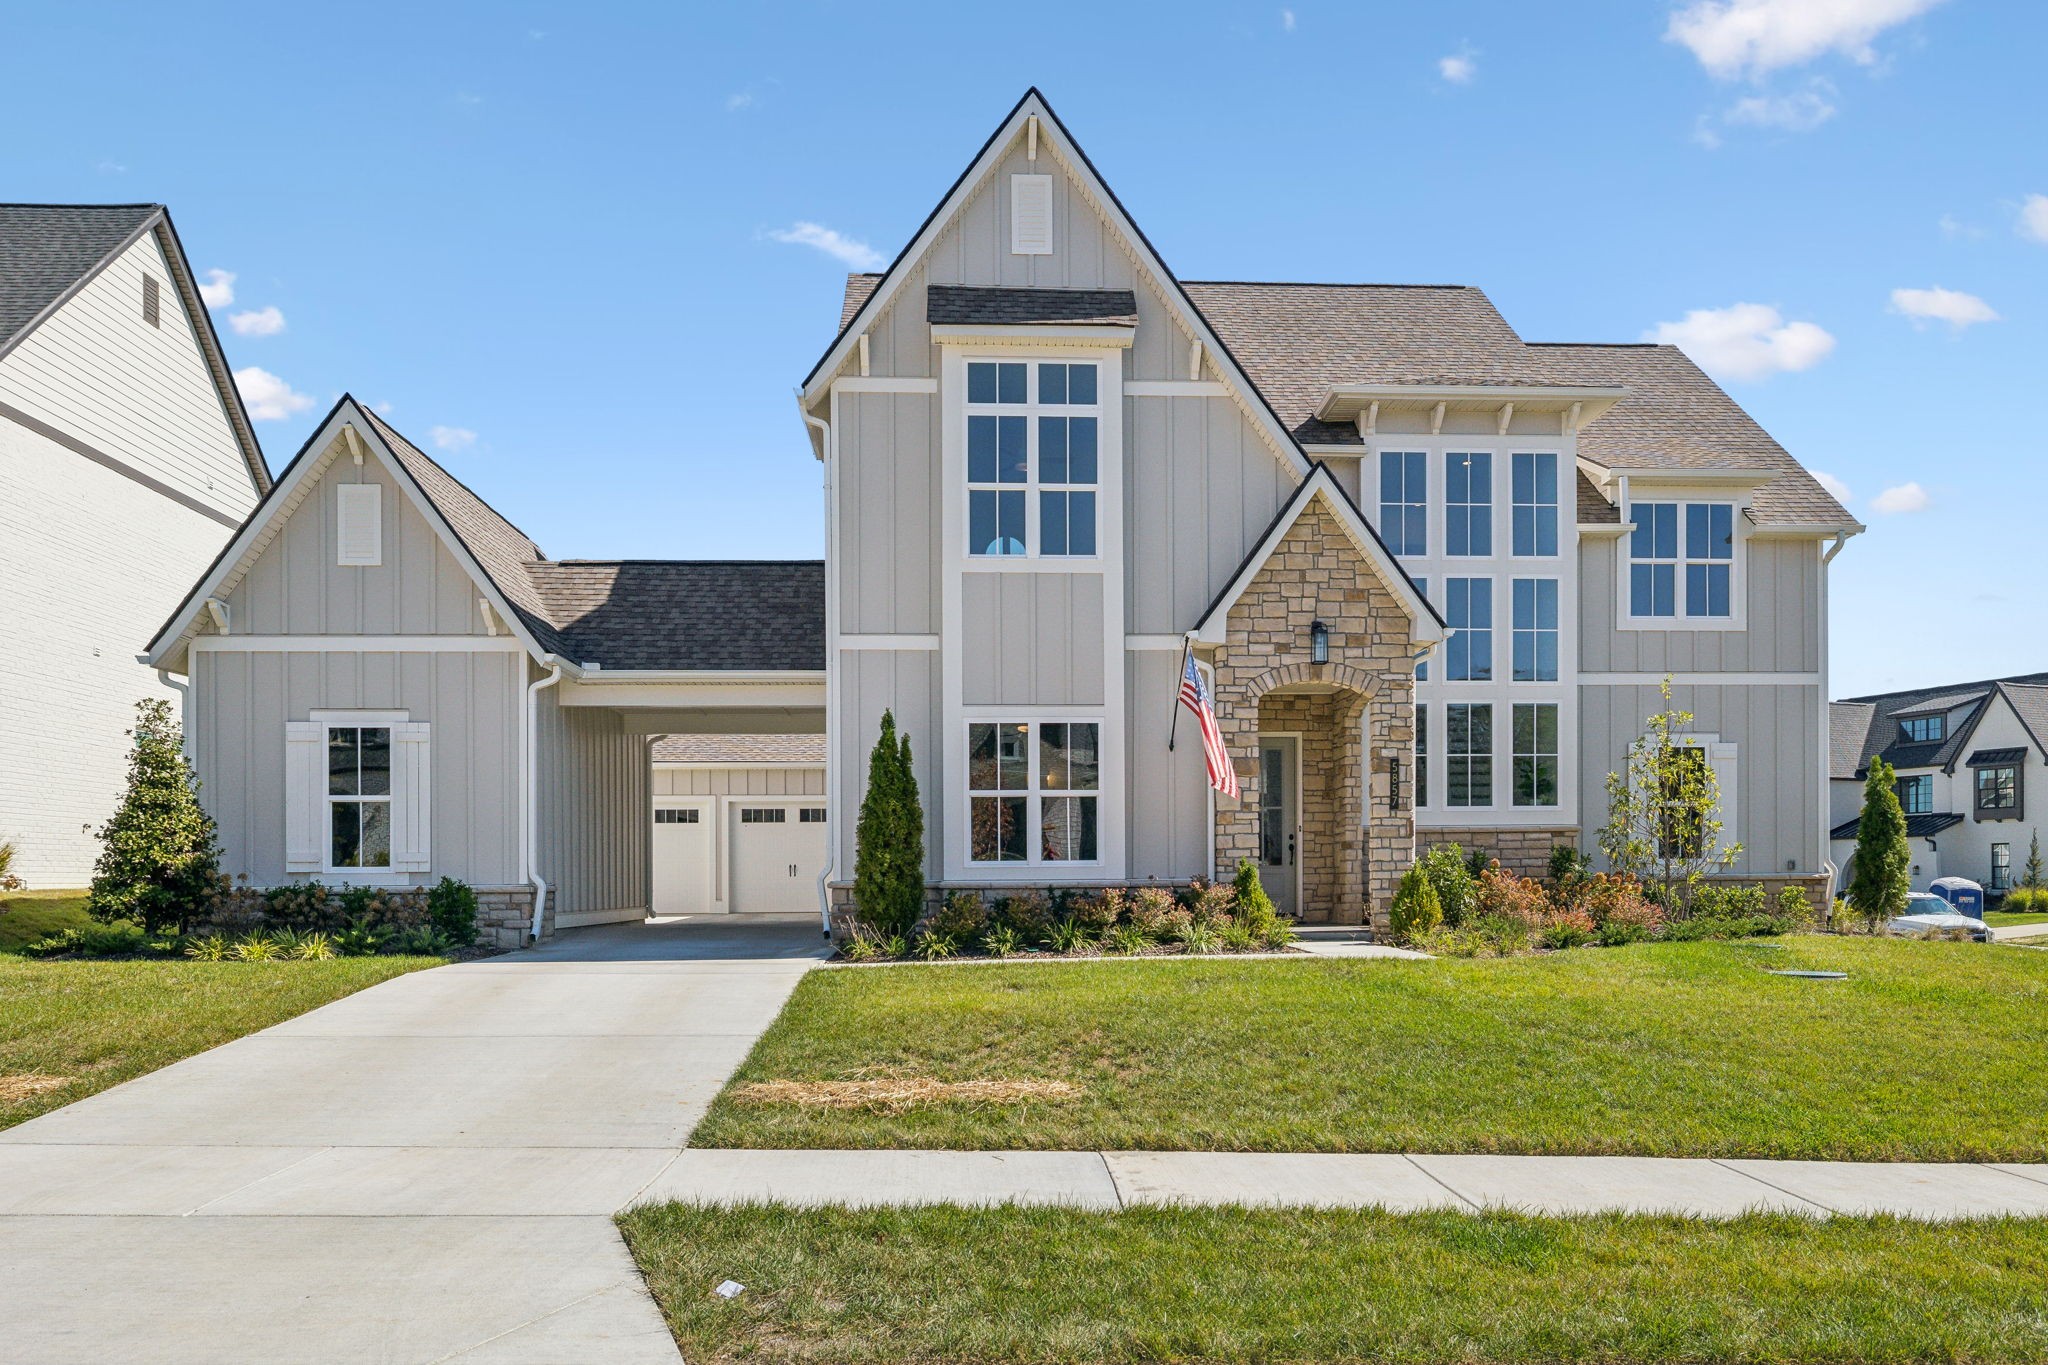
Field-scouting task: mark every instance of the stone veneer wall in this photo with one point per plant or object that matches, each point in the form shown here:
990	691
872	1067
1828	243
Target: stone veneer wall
504	915
1524	852
1331	774
1316	573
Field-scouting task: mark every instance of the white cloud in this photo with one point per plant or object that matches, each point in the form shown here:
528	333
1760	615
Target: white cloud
1906	497
1752	37
110	167
257	322
217	290
738	100
2034	218
1838	490
1459	67
1952	306
382	409
451	438
270	399
835	244
1956	230
1798	113
1287	20
1745	340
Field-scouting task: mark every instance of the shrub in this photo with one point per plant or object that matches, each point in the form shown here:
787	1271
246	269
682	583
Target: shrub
1001	941
1446	869
1251	906
1198	937
888	863
933	947
1569	929
451	909
2025	900
424	941
361	939
1171	924
1482	936
1882	863
1097	913
1724	927
312	946
1210	902
962	915
1149	908
109	940
896	947
1727	900
1028	912
1502	895
859	948
208	948
1621	913
1127	938
8	880
1281	934
1238	939
1416	909
159	859
254	947
1067	937
1795	907
1568	866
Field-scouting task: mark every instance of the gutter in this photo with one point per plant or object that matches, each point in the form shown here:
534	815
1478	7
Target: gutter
1827	864
826	455
529	785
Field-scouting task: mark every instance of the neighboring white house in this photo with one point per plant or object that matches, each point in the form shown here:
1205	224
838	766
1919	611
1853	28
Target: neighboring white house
126	461
1966	755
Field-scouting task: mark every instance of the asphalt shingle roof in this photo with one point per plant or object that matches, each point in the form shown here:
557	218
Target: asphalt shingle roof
2026	693
955	303
47	248
1848	727
740	749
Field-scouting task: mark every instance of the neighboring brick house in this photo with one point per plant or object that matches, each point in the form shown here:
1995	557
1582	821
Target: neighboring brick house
1967	755
126	460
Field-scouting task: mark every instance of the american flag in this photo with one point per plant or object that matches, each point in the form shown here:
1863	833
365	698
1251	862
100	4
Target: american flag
1194	694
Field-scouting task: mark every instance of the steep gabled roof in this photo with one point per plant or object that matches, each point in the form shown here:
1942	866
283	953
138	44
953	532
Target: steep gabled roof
48	252
2026	693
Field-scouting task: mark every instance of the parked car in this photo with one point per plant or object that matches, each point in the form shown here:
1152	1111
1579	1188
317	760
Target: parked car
1930	916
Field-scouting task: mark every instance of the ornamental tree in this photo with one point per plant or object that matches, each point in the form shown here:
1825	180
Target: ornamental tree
1663	810
888	860
159	860
1883	860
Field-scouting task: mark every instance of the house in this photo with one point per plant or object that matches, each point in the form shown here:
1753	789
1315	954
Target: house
1432	574
1966	756
126	460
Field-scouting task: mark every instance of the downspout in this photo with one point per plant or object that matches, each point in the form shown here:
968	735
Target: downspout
1827	862
529	825
832	803
184	691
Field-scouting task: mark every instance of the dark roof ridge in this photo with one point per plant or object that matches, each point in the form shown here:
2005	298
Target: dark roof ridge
1935	690
1606	345
40	204
1332	284
694	562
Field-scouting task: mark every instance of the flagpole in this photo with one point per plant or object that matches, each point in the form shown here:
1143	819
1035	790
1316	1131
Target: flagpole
1179	679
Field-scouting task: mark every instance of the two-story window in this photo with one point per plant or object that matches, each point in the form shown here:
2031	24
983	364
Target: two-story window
1924	729
1032	458
1468	608
1682	560
1916	794
1535	760
1535	630
1033	788
1468	754
1404	501
1468	504
1534	490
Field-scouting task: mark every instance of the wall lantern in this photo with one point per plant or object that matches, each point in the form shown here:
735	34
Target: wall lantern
1318	643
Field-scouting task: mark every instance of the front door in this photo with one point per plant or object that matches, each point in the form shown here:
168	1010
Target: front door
1280	820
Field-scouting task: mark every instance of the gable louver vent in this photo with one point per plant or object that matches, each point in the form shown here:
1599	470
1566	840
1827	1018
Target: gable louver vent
150	306
359	524
1031	215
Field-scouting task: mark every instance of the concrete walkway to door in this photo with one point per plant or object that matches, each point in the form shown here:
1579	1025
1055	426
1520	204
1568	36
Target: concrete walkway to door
423	1171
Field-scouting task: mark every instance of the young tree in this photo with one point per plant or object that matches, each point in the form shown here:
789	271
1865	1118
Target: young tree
1416	909
2031	872
1883	859
1663	810
888	867
159	860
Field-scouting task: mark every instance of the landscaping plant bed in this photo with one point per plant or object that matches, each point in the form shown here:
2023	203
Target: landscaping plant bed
1255	1285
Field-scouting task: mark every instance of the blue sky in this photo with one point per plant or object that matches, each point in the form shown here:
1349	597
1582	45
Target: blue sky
564	243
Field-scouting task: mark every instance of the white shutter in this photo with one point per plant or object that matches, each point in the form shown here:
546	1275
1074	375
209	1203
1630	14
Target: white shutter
1031	215
305	768
411	797
359	524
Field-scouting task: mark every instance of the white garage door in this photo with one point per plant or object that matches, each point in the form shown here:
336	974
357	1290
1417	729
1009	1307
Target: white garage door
777	852
682	858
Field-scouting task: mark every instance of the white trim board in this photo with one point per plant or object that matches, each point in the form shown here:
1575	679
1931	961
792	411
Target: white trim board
1700	679
356	644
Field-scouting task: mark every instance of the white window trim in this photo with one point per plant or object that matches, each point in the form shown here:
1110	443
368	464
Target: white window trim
1560	756
957	564
1031	411
1738	571
1503	566
1036	792
409	800
1722	758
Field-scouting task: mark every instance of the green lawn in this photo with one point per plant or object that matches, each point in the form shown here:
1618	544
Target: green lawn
1998	919
1928	1051
90	1025
26	916
952	1284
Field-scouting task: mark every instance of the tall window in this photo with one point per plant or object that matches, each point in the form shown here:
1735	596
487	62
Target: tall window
1535	630
2001	867
1998	789
1033	791
359	796
1404	501
1534	478
1468	607
1703	564
1032	458
1924	729
1916	794
1468	504
1535	753
1468	754
1421	754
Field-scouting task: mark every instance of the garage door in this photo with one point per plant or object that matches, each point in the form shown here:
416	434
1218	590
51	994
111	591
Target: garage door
682	858
777	853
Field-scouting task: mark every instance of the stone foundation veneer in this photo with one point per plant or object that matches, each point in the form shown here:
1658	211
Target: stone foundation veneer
1522	851
504	915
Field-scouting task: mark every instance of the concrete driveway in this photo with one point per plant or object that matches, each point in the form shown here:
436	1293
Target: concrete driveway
424	1171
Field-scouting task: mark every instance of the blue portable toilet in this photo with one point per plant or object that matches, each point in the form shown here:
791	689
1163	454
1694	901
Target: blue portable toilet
1963	895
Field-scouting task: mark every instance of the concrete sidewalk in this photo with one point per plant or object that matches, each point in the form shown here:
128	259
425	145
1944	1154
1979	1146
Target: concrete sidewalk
1400	1183
423	1171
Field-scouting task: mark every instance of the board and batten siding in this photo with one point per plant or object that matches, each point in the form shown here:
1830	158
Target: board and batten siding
889	490
144	395
241	701
1170	821
683	780
872	681
1774	728
1031	639
297	587
595	811
1782	627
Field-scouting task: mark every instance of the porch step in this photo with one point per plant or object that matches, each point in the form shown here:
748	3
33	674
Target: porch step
1334	933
